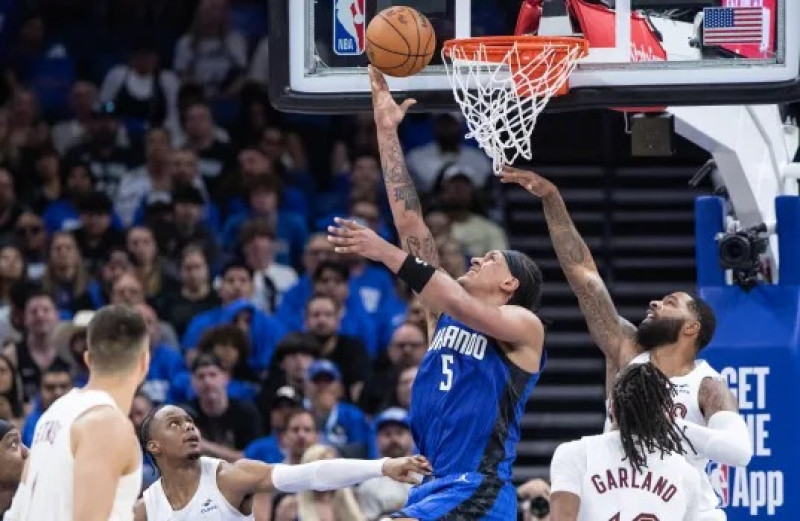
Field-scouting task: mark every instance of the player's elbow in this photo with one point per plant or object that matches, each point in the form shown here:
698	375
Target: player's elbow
741	455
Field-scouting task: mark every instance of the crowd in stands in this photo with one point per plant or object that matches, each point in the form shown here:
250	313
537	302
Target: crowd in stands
142	164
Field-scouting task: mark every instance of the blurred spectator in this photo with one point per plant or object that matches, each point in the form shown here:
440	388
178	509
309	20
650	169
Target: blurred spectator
402	394
323	317
451	258
211	54
342	425
65	277
317	250
228	425
259	62
263	193
331	279
10	209
293	356
301	433
379	497
62	214
187	227
418	315
12	326
69	133
116	262
215	155
151	269
96	235
534	496
195	295
9	152
406	349
36	352
285	508
232	347
32	47
439	224
255	163
268	448
48	179
54	382
108	161
11	404
145	94
477	234
286	151
336	504
31	238
236	293
165	362
28	130
70	342
140	408
271	279
426	162
255	114
152	176
127	290
12	269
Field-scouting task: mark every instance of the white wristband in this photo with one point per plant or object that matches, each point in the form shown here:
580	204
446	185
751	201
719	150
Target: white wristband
325	474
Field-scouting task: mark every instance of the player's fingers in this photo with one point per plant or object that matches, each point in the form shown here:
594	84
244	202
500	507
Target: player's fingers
348	223
339	231
407	104
341	241
345	249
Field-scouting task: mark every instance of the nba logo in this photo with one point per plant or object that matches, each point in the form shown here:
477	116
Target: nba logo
349	28
719	475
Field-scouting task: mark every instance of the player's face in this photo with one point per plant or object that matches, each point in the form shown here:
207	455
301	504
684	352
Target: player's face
12	457
664	321
486	274
174	435
394	441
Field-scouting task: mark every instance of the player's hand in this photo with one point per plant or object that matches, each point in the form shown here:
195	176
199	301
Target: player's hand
408	469
352	237
530	181
388	114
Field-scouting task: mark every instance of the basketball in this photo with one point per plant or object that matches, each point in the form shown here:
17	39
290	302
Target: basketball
400	41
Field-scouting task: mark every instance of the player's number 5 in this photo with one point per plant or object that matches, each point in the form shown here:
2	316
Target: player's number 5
447	373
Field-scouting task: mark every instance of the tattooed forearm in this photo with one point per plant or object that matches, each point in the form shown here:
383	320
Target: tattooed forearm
567	242
423	248
408	195
608	329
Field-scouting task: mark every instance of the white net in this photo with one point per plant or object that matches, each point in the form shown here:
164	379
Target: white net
502	99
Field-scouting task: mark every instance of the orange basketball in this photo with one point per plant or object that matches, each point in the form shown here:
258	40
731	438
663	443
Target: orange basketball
400	41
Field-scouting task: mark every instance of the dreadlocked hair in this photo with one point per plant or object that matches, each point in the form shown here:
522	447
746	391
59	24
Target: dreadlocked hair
144	434
643	408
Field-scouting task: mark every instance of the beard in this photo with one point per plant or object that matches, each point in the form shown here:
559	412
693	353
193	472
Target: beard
658	332
394	450
323	338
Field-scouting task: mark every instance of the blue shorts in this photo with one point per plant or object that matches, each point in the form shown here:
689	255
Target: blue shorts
461	497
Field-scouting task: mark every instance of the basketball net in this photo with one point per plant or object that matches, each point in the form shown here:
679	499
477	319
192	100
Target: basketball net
503	83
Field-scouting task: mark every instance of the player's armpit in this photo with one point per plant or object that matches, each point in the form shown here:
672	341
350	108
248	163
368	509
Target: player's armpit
104	449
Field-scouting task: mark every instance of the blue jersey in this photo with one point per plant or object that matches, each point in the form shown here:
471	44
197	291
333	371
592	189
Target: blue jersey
467	402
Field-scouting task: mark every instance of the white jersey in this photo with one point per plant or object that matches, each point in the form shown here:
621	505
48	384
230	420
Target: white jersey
687	406
592	468
207	504
47	492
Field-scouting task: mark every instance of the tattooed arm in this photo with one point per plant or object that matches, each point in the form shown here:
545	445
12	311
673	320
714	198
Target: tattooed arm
612	333
415	237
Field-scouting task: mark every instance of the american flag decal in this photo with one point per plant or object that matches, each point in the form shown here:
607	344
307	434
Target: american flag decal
727	25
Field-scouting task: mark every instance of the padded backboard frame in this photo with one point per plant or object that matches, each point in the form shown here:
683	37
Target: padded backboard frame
602	80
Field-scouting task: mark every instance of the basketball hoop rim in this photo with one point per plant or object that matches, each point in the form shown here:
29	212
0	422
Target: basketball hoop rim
496	48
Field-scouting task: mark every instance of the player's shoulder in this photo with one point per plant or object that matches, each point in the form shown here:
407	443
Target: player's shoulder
100	422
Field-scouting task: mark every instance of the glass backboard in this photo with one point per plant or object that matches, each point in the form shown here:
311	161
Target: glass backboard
642	52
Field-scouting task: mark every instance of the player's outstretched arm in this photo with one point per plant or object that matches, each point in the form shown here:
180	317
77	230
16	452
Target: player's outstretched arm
246	477
725	438
104	449
511	324
415	237
609	331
